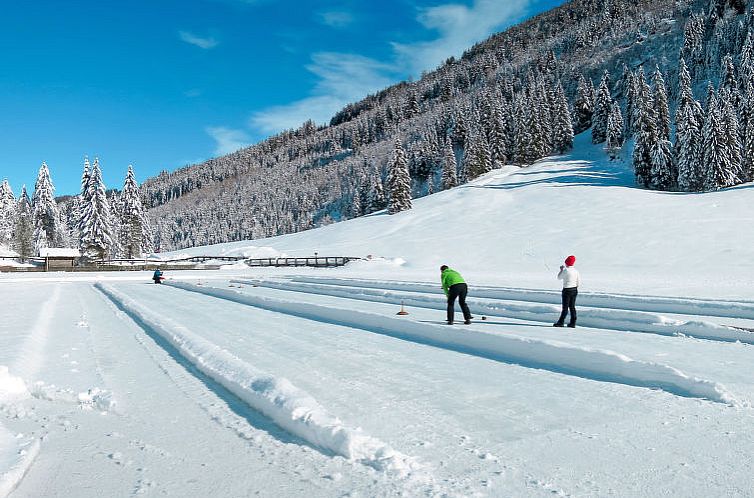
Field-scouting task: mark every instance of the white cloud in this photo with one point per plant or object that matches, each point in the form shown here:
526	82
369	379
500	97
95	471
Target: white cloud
205	43
458	27
228	140
343	78
347	78
336	19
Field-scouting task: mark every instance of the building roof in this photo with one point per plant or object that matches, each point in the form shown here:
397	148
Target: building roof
59	252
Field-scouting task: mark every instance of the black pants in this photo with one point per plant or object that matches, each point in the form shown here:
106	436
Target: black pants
569	304
458	291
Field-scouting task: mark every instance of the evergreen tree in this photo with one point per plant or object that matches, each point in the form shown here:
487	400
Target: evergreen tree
583	108
45	218
24	231
8	215
631	93
662	165
562	127
376	199
135	233
601	111
688	141
646	132
97	233
732	140
748	151
399	181
615	127
497	135
718	170
449	176
661	106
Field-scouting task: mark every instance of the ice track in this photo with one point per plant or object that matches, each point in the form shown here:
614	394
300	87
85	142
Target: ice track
555	356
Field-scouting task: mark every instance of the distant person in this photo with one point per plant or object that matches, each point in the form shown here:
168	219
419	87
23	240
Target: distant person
157	276
571	280
455	287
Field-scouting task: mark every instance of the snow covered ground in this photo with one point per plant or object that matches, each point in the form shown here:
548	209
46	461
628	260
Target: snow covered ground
305	382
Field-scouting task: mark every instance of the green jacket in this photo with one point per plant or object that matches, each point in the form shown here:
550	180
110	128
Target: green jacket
450	277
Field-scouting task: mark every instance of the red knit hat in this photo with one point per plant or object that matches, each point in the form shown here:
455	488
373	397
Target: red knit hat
570	260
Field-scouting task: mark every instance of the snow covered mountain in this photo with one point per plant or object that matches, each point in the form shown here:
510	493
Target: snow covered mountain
313	176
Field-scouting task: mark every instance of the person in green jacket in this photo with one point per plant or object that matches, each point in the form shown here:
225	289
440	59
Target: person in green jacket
455	287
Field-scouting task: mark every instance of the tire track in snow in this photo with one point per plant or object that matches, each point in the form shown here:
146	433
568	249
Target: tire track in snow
599	365
603	318
289	407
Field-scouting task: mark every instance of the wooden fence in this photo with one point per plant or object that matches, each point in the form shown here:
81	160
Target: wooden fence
188	263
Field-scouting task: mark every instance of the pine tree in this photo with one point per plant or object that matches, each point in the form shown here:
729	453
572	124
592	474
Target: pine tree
688	142
615	128
748	151
449	176
662	165
718	171
497	135
24	232
646	132
97	233
601	111
45	218
399	181
562	127
8	214
135	233
376	199
583	108
732	139
631	93
661	105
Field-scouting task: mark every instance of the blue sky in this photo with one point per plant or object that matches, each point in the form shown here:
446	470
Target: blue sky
164	83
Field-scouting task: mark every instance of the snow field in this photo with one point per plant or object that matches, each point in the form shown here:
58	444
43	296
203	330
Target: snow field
550	355
615	319
288	406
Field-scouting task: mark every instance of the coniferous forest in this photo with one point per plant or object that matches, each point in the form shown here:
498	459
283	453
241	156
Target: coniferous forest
666	85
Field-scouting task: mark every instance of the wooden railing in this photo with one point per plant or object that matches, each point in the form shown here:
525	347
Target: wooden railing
181	263
315	261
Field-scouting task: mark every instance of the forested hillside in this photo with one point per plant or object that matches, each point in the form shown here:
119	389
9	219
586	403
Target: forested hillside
516	97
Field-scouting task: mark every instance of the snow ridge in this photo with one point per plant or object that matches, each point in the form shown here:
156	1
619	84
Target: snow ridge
600	317
15	467
601	365
288	406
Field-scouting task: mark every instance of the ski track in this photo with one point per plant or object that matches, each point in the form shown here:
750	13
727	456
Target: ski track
30	359
600	365
603	318
289	407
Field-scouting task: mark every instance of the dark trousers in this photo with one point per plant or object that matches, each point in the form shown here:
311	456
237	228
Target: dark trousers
569	304
458	291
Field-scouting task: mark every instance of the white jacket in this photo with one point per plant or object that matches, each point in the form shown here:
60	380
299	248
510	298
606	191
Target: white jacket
570	277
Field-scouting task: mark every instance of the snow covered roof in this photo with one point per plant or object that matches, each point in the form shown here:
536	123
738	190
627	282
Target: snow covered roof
59	252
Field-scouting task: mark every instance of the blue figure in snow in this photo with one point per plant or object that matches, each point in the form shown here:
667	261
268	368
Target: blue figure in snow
157	276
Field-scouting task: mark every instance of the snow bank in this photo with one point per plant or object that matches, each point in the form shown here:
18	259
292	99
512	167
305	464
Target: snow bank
11	387
17	453
291	408
600	317
555	356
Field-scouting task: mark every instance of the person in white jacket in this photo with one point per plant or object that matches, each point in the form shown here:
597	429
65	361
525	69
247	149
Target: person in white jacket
571	280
